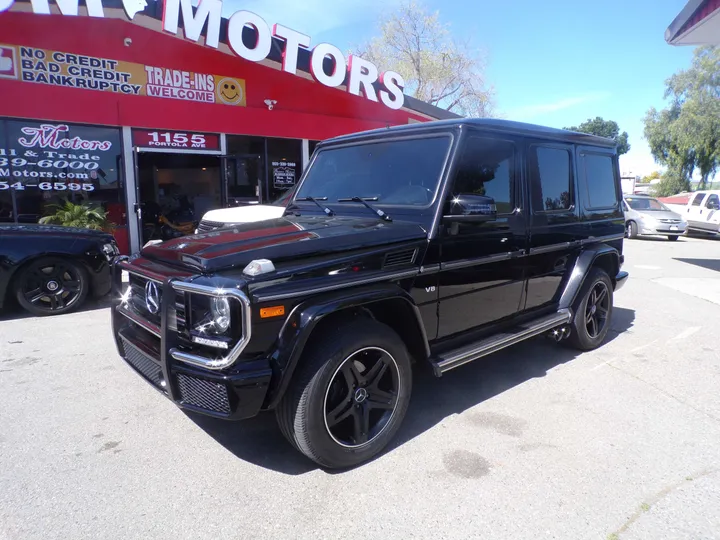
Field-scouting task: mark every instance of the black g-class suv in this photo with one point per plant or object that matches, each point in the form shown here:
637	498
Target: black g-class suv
424	245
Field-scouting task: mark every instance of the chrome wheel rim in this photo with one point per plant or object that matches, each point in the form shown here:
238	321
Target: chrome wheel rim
362	397
597	309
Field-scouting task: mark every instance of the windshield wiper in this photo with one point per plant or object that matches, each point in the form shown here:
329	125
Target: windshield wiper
320	206
363	200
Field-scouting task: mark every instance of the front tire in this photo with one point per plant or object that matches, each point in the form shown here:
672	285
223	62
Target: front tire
593	312
349	394
632	230
52	286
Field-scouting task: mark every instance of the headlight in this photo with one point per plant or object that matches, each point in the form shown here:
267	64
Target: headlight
212	315
110	250
220	311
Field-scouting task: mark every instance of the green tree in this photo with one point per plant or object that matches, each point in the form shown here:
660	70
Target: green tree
671	183
685	136
436	67
83	215
605	128
655	175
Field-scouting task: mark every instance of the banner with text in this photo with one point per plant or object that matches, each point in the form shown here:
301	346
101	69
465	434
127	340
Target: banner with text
55	68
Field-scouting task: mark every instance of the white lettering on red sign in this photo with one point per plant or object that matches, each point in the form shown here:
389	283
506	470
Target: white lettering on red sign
361	74
49	136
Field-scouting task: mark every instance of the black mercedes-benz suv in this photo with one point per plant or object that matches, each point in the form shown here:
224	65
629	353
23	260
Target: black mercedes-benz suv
423	245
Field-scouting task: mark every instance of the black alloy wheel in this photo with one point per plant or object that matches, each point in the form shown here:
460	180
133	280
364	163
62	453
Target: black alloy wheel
593	309
597	310
349	393
51	286
362	397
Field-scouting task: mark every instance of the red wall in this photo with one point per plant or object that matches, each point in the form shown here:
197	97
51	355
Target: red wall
304	109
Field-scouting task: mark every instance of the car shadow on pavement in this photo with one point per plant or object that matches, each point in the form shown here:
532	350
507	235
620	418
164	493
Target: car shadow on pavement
710	264
259	441
14	312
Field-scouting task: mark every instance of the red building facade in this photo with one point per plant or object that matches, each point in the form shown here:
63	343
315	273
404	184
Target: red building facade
125	114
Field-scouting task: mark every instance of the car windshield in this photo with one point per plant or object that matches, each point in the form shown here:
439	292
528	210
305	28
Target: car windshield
397	172
645	204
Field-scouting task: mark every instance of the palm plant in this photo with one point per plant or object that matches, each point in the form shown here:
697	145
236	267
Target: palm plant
83	216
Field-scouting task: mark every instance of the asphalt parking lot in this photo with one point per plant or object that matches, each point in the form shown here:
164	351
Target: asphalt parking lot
534	442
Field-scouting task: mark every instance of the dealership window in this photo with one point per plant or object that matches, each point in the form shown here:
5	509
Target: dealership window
44	163
244	169
284	165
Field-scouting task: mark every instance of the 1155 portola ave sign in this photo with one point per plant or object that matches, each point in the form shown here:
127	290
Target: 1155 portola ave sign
361	74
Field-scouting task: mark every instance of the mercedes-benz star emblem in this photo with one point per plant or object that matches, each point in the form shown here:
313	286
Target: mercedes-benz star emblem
360	395
152	297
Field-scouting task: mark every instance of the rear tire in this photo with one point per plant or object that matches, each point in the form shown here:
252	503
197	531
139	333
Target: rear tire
348	395
673	238
593	312
632	229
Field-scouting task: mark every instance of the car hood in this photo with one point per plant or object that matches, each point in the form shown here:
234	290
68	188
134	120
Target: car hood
30	229
281	240
244	214
659	214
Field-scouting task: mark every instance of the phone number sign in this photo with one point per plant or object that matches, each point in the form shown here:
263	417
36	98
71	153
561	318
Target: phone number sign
175	140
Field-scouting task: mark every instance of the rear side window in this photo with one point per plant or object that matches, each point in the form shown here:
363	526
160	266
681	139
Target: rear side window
552	178
697	201
600	180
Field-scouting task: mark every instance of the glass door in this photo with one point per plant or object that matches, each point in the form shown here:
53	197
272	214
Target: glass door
242	177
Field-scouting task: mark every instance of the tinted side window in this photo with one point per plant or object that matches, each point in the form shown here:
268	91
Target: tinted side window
486	168
550	170
697	201
712	202
600	180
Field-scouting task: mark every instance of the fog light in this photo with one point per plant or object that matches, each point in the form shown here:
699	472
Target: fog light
210	342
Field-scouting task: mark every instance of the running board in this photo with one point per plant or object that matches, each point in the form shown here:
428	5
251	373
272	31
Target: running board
458	357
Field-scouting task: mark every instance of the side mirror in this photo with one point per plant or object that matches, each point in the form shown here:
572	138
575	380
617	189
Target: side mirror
468	207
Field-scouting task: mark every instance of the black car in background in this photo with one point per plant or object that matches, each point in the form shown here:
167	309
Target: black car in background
51	269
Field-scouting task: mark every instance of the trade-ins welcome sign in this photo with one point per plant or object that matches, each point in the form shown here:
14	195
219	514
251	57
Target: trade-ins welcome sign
361	74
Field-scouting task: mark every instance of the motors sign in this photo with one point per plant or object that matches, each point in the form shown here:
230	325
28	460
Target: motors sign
361	74
58	157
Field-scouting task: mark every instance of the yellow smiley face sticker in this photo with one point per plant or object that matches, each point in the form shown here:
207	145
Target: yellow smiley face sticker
229	91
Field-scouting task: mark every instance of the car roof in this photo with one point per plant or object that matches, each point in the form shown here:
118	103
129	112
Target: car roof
489	124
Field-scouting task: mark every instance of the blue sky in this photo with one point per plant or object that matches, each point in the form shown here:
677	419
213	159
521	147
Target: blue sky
552	62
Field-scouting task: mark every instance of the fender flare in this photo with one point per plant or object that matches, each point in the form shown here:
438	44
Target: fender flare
585	261
305	317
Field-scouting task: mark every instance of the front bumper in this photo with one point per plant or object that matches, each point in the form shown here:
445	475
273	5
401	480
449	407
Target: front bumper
234	393
663	229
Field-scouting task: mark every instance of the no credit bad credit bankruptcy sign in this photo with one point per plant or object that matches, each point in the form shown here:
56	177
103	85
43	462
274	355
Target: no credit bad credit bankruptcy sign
361	77
56	68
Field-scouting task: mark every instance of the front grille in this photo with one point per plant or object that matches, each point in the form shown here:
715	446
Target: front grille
670	221
203	394
142	362
207	226
138	300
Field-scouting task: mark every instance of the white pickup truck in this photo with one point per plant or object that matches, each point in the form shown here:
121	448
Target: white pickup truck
700	209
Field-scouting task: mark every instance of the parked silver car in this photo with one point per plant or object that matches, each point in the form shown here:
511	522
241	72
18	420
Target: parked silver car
647	216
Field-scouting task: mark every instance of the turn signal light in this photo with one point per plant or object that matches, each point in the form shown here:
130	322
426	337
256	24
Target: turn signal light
275	311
